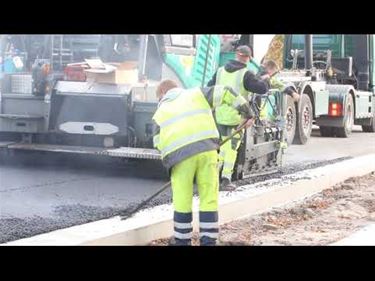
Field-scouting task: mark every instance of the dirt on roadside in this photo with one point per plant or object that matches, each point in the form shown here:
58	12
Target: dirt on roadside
321	219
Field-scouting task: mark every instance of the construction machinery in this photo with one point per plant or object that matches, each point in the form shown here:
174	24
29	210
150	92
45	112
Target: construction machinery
333	74
41	109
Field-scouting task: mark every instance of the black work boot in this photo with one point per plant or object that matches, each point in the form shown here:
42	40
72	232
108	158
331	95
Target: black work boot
227	185
183	229
207	241
179	242
208	228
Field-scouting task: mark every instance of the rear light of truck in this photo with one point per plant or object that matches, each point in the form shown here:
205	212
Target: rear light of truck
335	109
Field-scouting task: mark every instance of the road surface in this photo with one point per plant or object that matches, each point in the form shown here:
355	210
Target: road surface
44	192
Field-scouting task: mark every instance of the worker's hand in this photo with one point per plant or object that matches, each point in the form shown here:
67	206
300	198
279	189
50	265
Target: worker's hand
249	123
295	96
265	77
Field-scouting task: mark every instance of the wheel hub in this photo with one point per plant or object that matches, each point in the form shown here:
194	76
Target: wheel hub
289	119
306	118
349	119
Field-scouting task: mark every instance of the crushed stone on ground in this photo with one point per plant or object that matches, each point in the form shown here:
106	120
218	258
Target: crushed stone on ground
12	228
321	219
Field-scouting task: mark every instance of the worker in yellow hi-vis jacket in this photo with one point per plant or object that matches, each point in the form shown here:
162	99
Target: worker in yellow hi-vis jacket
236	75
188	139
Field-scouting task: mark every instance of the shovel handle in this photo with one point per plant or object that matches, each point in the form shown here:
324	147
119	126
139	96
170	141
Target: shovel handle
165	186
237	131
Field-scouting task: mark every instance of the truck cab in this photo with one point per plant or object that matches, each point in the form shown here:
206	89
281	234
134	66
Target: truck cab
334	77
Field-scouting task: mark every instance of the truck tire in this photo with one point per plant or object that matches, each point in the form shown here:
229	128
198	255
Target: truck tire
290	120
346	130
370	128
327	131
304	121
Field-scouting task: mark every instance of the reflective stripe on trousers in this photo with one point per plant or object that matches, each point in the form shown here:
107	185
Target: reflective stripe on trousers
183	228
208	228
203	168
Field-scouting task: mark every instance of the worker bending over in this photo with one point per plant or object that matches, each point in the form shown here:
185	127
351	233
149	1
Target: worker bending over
187	137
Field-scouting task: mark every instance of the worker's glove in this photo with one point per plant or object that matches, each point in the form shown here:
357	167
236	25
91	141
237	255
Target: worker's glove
265	77
246	111
291	92
295	96
247	123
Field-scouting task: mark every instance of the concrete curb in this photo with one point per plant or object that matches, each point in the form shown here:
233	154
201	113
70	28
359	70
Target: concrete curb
156	223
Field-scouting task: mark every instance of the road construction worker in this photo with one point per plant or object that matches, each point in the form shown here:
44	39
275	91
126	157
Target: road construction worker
188	139
268	71
236	75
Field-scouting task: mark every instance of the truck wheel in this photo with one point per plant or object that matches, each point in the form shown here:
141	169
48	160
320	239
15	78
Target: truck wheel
327	131
371	127
346	130
290	120
304	121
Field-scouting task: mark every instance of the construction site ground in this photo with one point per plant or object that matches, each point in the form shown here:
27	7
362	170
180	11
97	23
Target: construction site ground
42	192
322	219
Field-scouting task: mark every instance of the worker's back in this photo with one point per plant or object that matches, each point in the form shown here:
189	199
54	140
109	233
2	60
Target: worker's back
184	117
